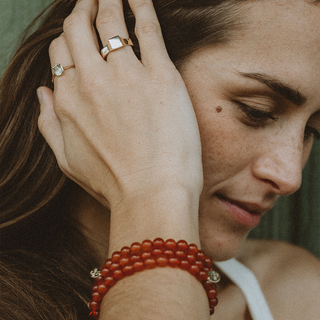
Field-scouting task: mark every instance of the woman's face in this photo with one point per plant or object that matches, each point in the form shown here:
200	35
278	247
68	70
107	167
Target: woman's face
257	102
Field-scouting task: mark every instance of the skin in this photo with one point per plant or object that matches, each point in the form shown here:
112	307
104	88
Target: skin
254	162
245	161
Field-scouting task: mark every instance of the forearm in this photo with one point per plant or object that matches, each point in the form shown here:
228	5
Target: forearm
160	293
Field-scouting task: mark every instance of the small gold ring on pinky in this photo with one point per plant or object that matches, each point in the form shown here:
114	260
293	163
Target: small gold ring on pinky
58	70
114	44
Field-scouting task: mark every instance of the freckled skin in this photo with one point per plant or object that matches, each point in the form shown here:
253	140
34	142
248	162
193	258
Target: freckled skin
257	163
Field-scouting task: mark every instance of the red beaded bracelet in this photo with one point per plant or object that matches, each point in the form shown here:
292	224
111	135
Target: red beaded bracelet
151	254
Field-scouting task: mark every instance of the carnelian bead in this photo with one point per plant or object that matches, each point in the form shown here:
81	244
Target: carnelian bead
200	255
162	261
114	266
209	285
173	262
116	257
108	263
138	266
184	264
102	289
169	253
147	246
150	263
156	252
128	270
98	280
124	261
94	314
191	258
136	248
171	244
125	252
182	245
109	281
146	255
206	269
180	254
118	274
158	243
96	297
94	288
208	262
211	311
199	264
94	306
105	272
202	275
212	293
213	302
135	258
193	249
194	269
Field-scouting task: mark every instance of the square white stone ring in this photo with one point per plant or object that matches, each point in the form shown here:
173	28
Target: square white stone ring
115	43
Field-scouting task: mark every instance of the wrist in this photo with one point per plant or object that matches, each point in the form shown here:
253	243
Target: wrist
170	212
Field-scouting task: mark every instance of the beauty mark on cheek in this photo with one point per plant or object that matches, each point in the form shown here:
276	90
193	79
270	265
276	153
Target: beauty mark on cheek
218	109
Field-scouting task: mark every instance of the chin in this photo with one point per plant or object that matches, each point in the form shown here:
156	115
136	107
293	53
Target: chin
221	246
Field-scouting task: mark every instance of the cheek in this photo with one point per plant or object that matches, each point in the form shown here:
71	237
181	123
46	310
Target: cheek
224	149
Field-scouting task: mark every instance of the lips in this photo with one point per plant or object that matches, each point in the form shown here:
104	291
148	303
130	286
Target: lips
245	213
253	208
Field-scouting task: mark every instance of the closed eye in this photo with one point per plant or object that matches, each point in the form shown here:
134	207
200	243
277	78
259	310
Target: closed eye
255	116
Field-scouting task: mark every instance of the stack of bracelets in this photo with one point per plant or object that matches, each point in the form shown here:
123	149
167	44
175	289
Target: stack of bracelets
149	255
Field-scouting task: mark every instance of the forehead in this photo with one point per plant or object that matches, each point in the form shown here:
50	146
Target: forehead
284	23
283	39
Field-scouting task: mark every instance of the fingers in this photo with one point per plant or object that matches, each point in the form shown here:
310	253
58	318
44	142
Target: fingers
110	23
49	124
60	55
81	38
110	20
80	34
148	32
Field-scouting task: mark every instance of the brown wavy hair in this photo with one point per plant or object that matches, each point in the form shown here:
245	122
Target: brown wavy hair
45	259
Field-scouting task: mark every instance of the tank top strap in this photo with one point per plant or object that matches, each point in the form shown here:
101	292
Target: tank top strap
245	279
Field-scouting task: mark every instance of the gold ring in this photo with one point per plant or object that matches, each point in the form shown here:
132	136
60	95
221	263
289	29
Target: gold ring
58	70
115	43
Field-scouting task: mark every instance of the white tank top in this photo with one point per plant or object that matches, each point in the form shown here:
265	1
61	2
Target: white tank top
245	279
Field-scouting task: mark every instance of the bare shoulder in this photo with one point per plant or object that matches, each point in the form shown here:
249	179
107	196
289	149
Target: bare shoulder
288	275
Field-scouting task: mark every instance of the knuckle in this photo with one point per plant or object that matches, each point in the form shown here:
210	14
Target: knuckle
146	28
55	45
61	109
72	22
107	17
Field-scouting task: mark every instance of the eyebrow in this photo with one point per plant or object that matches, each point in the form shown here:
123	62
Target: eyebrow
278	87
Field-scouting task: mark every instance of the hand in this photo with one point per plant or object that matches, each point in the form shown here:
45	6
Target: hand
124	128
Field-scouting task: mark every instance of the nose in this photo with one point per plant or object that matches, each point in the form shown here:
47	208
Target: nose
281	167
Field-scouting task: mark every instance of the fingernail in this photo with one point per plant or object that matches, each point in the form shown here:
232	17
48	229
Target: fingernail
39	94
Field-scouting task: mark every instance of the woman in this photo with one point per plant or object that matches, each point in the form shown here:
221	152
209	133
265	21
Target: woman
162	149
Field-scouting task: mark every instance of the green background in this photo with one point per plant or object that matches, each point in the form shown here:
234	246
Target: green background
295	219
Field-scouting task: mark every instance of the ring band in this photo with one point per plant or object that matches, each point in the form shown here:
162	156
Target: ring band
58	70
115	43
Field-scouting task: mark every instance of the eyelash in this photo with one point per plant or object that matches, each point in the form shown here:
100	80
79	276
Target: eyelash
258	118
255	116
